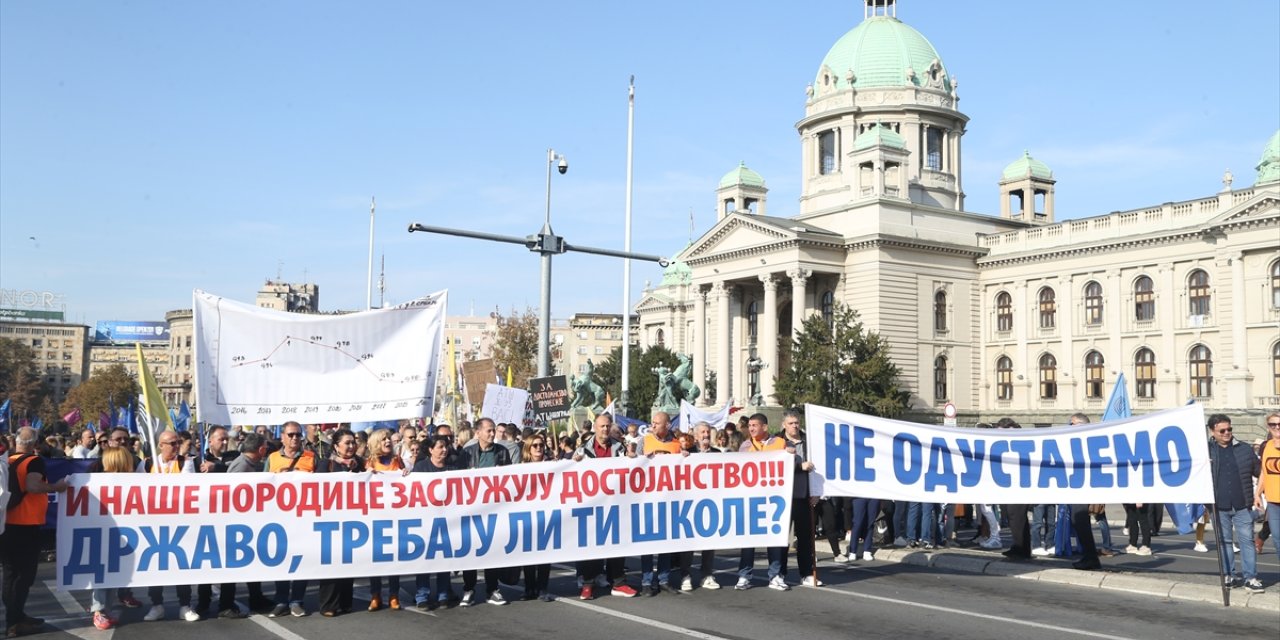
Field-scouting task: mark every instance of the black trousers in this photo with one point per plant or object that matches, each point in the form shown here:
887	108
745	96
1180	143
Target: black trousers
615	569
536	578
802	520
1082	520
490	580
1138	520
156	594
19	557
836	520
336	594
1018	530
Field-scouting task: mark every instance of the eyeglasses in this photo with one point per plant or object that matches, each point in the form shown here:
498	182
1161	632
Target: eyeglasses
293	434
169	442
1224	430
1274	425
537	445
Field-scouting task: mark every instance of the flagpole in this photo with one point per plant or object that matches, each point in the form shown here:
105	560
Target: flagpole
625	394
1222	560
368	304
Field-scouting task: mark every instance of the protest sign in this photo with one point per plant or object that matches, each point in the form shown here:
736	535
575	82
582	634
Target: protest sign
140	530
1160	457
550	397
504	404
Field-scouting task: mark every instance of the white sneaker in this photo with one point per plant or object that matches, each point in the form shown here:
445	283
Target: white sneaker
778	584
686	584
156	612
743	584
1126	531
468	599
868	556
1201	548
1235	548
808	581
840	558
1130	549
1143	551
187	614
992	543
709	582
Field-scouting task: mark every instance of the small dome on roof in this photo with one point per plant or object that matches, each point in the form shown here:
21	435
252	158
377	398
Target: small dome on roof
741	175
1269	166
879	135
1027	166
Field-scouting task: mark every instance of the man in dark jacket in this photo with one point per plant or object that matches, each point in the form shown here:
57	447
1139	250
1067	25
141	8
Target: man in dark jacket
481	453
1234	467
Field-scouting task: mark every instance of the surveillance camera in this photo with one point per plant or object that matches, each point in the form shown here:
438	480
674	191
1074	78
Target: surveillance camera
563	166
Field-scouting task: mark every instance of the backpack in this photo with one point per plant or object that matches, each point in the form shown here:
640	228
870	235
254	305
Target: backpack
17	484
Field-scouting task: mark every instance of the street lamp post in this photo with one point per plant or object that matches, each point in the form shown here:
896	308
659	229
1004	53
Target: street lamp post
544	318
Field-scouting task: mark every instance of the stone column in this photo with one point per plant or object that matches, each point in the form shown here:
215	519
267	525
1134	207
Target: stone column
1237	376
1170	363
769	336
798	277
700	344
723	323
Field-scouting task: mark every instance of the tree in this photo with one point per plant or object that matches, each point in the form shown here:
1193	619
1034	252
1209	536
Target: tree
515	345
105	388
20	380
842	366
643	382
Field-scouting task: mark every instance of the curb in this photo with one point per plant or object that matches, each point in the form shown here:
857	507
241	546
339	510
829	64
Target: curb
1112	580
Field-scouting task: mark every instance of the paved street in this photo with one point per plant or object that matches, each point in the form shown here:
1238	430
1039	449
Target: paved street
875	599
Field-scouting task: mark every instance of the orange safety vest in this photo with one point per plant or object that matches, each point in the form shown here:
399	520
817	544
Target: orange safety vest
278	462
396	464
772	444
34	506
1271	472
653	445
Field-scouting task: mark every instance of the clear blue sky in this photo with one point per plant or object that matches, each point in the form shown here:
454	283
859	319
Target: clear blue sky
155	147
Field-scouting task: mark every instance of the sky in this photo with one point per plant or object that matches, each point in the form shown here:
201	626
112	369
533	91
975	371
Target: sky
149	148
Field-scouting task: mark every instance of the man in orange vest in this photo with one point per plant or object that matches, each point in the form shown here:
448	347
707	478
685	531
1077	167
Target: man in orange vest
20	542
290	457
659	441
759	440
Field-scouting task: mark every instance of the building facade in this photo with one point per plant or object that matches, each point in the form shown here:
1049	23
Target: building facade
283	296
61	351
1002	314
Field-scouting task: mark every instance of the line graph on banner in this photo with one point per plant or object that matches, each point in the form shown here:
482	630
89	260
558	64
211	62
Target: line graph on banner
266	361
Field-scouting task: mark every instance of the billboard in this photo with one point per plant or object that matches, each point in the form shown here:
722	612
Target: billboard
121	331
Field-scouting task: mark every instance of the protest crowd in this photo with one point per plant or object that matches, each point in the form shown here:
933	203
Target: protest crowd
1246	486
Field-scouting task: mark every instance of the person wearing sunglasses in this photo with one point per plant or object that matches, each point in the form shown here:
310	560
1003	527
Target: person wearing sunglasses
291	457
536	577
1234	466
1267	495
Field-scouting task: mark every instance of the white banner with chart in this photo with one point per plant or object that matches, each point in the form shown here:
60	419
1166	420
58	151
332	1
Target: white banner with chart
261	366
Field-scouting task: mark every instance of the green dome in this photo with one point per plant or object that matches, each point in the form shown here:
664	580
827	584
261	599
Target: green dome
1269	166
879	135
879	52
1027	166
742	176
677	273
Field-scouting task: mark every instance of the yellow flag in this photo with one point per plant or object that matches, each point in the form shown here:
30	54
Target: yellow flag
151	402
509	375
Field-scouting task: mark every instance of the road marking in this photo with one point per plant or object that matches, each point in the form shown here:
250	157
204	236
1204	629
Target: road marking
68	602
274	627
639	620
984	616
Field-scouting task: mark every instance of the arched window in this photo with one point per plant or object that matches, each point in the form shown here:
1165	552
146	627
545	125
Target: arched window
1201	372
1004	378
661	338
1275	370
940	312
1198	293
827	153
1048	377
1275	284
1144	299
753	319
1004	312
1093	304
828	308
940	378
1094	374
1048	308
1144	373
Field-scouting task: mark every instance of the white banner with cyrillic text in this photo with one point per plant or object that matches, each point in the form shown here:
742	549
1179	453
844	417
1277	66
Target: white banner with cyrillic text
145	529
1160	457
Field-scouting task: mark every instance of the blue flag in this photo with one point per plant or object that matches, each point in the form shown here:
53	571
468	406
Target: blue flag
1182	514
4	416
184	416
1118	406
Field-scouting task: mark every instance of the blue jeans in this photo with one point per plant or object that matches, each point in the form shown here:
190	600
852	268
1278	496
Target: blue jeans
1237	525
393	586
1104	528
747	560
422	586
1273	517
865	511
900	509
646	569
1044	519
921	524
947	512
290	592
